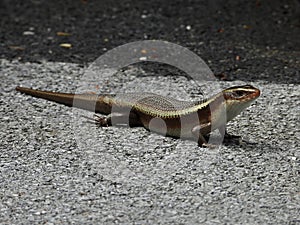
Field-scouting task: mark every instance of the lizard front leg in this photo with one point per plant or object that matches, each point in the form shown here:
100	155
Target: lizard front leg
198	131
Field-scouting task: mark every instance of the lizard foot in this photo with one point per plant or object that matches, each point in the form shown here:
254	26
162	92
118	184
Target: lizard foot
211	146
100	121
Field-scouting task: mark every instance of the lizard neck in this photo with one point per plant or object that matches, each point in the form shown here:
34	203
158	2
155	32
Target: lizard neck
213	111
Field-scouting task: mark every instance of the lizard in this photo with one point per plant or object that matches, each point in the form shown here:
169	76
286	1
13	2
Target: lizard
180	119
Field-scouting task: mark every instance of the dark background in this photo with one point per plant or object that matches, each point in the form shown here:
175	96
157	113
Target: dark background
238	39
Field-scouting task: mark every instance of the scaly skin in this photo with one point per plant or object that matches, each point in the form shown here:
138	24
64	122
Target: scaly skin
180	119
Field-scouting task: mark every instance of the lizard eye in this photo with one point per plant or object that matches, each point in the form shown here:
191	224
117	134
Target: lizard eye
240	93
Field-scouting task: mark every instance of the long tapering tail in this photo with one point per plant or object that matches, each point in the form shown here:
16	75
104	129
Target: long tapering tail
90	102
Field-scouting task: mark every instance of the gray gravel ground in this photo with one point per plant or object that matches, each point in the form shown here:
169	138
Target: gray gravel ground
55	170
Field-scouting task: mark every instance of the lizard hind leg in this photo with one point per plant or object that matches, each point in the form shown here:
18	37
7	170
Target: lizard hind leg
100	121
116	119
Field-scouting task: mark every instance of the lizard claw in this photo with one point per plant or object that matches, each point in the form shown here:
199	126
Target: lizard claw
101	121
88	119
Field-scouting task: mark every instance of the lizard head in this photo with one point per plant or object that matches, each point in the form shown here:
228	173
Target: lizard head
238	98
241	93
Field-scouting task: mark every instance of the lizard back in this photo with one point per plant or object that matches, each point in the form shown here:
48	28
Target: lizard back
155	105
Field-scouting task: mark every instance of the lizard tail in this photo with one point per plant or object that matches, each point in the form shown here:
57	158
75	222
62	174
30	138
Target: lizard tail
62	98
90	102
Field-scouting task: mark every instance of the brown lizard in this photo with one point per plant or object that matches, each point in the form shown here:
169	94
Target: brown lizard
181	119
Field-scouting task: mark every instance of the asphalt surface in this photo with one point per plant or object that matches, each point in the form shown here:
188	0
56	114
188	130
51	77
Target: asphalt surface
55	168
